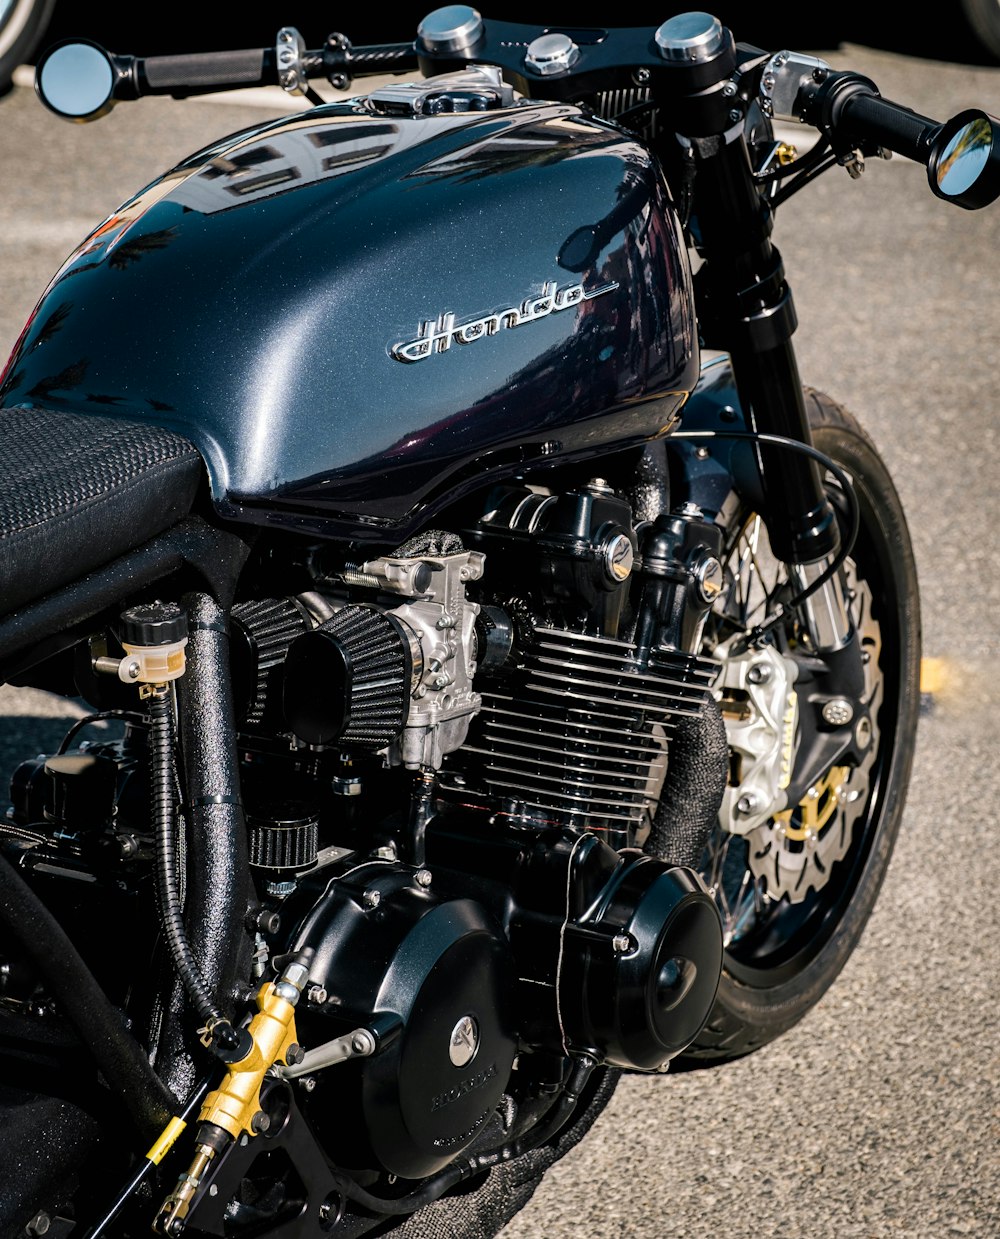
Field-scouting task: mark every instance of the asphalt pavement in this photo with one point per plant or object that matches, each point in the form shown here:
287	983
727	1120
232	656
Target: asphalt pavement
879	1115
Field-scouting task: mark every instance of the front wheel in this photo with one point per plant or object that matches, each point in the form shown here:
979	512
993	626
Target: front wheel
795	891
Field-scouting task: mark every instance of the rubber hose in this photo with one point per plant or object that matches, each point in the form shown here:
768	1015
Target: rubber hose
95	1020
162	782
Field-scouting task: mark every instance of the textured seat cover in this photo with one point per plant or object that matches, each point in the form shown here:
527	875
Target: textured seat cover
77	492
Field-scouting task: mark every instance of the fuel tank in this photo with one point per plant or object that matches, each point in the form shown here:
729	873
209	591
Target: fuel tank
357	317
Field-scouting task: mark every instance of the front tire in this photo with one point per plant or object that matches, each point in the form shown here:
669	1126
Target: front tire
782	956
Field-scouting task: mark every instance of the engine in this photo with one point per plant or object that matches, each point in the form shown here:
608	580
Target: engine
451	758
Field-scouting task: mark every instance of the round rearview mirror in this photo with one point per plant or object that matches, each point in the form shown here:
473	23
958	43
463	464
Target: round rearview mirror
76	79
964	166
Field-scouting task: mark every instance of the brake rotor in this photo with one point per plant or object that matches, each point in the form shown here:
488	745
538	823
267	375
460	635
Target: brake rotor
795	850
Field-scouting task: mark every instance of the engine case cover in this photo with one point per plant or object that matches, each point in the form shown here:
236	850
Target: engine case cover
356	318
437	974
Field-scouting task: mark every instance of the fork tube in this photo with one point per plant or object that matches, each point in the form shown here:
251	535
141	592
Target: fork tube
744	303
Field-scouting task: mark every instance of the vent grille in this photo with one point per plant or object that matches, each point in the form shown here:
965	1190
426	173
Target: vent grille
577	733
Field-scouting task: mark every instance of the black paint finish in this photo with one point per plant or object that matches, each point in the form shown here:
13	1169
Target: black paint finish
251	299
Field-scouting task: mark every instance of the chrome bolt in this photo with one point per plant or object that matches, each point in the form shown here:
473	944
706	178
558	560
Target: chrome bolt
735	115
710	577
316	994
759	673
702	452
132	669
39	1224
259	1123
618	558
729	88
372	898
386	852
423	878
746	804
622	943
767	81
838	712
641	77
308	1083
363	1042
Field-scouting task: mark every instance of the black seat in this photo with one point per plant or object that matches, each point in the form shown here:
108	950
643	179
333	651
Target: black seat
78	491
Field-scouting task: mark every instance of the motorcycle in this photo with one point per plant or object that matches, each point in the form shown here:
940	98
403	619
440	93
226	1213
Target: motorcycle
517	667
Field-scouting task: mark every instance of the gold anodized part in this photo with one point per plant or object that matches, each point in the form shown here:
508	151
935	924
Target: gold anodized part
786	154
817	806
234	1103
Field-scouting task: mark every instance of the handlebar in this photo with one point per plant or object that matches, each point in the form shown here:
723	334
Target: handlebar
701	78
194	73
97	78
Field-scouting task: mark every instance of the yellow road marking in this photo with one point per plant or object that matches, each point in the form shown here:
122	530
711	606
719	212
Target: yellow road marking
935	675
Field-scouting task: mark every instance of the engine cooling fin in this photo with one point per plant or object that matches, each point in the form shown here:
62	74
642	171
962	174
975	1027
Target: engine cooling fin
578	732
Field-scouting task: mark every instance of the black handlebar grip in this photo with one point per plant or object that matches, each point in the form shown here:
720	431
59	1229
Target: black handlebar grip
387	54
899	129
207	71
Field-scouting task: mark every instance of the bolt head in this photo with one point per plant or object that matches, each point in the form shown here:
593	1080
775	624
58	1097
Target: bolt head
316	994
294	1054
838	712
622	943
759	673
735	116
423	878
308	1083
260	1123
372	898
363	1042
746	804
729	89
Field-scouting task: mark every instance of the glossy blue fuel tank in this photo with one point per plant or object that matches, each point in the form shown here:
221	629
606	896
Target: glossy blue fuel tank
357	317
